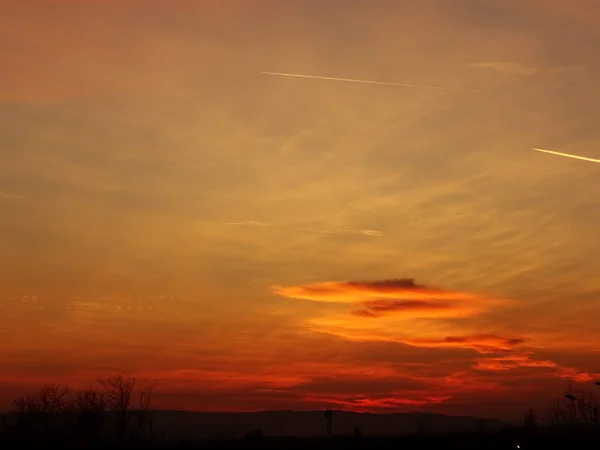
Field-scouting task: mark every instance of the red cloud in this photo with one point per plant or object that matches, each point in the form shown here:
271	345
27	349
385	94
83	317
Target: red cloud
516	361
576	375
486	343
368	403
511	362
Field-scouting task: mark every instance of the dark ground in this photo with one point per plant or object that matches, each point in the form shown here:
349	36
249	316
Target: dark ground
506	439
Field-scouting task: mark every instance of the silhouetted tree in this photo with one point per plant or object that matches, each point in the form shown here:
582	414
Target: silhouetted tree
118	391
357	434
568	412
91	412
145	413
254	435
482	426
44	412
530	421
57	411
118	395
423	425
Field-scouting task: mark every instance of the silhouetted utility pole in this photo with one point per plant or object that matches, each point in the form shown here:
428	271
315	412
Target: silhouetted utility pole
328	415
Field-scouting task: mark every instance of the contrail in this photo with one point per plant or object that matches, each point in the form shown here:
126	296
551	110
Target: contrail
568	155
351	80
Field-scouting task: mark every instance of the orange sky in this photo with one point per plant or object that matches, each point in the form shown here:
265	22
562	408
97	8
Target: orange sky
252	242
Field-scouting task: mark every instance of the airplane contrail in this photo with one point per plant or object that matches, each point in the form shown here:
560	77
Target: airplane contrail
568	155
351	80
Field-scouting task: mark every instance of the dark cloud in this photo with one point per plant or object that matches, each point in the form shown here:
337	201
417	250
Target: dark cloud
387	285
377	308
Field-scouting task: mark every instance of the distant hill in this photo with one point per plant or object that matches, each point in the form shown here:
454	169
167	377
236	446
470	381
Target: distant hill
196	425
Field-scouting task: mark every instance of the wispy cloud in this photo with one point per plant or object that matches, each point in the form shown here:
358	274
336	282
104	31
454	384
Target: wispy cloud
356	331
366	232
516	361
512	68
249	223
369	403
9	195
484	343
371	233
525	361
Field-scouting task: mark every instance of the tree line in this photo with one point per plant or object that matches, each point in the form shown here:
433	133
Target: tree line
118	408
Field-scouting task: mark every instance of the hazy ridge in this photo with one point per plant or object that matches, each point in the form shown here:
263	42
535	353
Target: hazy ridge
195	425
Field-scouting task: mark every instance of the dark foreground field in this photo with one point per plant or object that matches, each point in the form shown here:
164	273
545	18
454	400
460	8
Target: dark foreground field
507	439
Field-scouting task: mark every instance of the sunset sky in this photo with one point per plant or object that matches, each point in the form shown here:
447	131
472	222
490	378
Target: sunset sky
252	241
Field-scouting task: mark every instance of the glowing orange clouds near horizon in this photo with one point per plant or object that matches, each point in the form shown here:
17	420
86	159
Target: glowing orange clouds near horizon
404	312
401	359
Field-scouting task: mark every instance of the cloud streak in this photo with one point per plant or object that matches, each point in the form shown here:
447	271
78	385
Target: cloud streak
511	362
9	195
511	68
249	223
365	232
371	233
485	343
359	332
524	361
